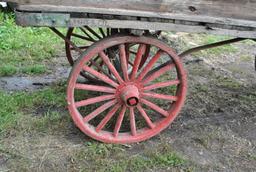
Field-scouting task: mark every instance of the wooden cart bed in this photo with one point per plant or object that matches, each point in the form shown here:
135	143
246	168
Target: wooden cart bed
224	17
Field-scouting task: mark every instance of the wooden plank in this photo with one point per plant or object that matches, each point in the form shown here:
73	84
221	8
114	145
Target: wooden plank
233	14
65	20
161	26
232	9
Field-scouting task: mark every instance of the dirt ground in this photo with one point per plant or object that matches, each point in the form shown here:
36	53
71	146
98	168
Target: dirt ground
216	130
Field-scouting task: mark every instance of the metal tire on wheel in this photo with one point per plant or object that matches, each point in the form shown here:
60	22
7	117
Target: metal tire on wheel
132	104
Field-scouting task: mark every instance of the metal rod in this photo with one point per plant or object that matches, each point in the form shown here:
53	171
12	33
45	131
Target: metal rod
209	46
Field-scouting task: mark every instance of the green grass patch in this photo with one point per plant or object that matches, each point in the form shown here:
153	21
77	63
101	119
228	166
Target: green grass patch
113	158
21	48
15	106
8	70
9	110
34	69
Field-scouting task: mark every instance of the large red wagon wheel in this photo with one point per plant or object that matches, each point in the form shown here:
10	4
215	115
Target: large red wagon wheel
139	102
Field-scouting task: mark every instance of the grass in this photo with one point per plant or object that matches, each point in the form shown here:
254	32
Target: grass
8	70
14	106
35	69
24	50
113	158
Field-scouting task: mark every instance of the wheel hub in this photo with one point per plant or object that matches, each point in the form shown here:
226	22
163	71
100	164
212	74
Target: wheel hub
130	95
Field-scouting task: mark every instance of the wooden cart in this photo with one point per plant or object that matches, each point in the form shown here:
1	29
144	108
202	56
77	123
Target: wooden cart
137	82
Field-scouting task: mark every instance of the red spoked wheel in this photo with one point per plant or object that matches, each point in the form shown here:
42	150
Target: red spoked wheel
132	104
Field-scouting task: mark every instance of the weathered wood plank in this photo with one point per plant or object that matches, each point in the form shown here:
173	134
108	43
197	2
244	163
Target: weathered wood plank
65	20
230	13
234	9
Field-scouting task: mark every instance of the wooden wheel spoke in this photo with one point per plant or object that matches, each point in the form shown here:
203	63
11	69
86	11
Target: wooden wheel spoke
94	88
99	68
94	63
107	118
145	56
102	32
157	73
127	51
111	67
155	107
80	47
160	96
119	121
96	59
146	117
94	100
99	110
161	66
101	64
124	63
108	31
87	34
161	85
133	52
141	51
132	122
130	63
93	32
150	65
103	77
82	37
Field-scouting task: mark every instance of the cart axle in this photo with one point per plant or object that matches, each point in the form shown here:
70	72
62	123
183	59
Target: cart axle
130	95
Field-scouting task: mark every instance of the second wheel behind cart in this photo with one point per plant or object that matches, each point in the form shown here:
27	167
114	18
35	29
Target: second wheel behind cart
84	37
